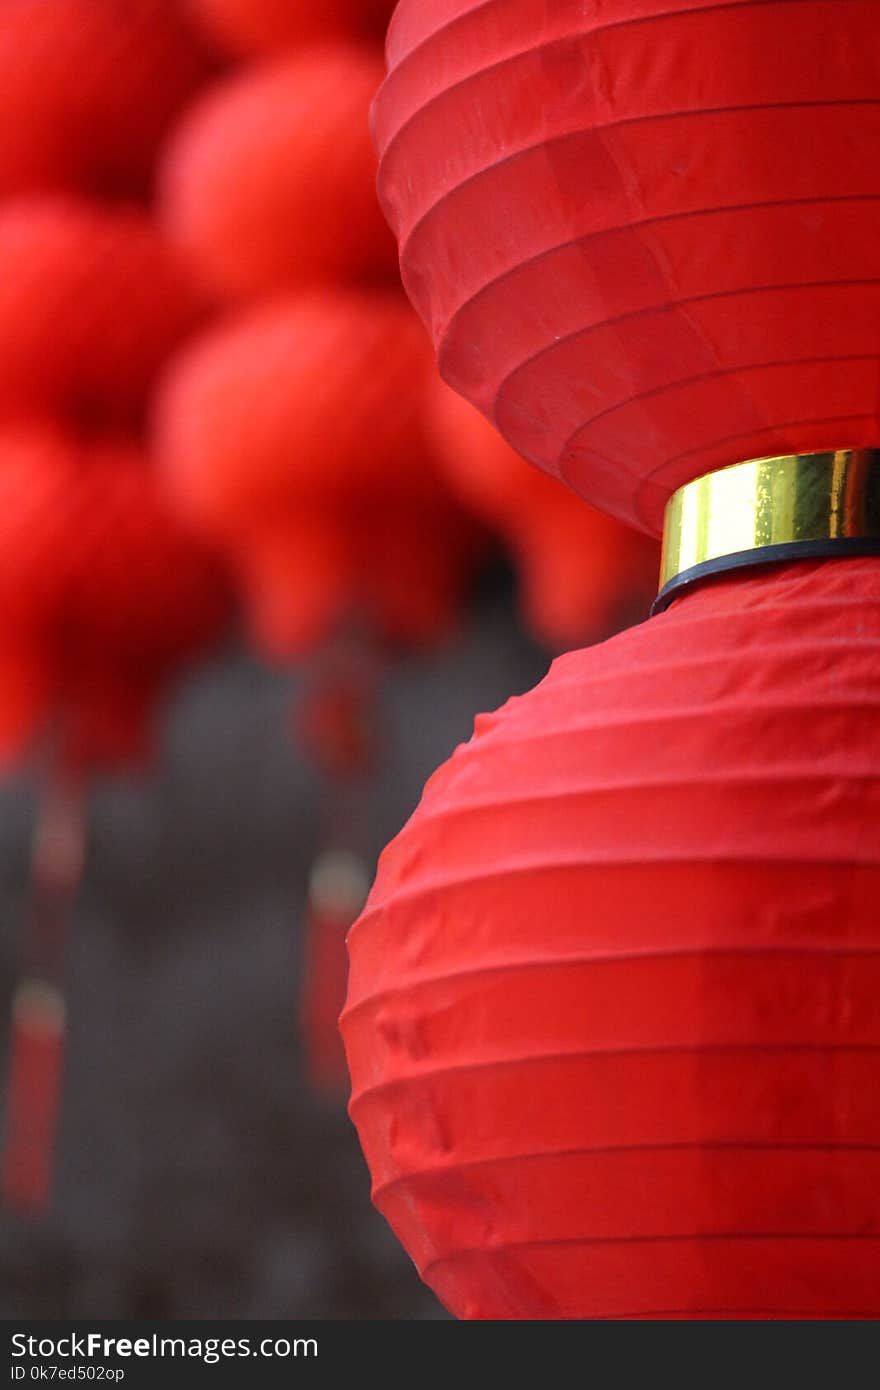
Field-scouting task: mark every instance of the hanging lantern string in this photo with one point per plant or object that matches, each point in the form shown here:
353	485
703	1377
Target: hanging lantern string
336	718
39	1007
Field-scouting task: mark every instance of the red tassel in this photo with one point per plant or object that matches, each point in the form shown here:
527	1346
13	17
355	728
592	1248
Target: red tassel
337	893
37	1061
39	1010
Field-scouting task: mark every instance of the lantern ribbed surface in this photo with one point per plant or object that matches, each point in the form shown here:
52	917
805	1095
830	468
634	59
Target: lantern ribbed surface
612	1019
643	234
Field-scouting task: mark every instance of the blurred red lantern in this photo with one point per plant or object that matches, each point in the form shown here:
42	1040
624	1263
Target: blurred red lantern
87	88
105	595
294	434
643	245
269	180
611	1018
581	573
255	26
91	301
34	473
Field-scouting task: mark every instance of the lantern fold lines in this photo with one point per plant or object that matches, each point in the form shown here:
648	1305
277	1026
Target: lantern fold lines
644	246
611	1019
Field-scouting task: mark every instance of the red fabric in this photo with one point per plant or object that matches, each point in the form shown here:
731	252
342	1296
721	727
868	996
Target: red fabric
103	596
612	1022
580	572
255	26
87	88
269	180
294	434
644	242
91	301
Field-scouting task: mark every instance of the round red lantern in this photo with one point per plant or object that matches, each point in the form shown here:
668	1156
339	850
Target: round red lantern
256	26
105	596
87	88
294	434
91	302
269	181
644	245
34	474
610	1020
582	574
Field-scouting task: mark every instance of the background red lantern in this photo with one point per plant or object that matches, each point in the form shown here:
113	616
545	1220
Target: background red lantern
87	88
256	26
295	435
608	1025
91	302
105	592
269	180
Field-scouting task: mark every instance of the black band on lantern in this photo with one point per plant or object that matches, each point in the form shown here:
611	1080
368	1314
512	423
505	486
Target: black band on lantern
766	555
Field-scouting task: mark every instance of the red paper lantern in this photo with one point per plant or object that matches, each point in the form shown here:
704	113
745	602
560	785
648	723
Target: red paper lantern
256	26
611	1019
91	301
645	245
104	596
294	434
87	88
270	179
581	572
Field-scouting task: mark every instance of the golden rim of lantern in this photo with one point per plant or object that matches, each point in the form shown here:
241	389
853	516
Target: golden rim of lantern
768	511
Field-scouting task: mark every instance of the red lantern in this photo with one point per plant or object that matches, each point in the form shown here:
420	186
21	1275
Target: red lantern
104	595
294	434
87	88
581	573
91	301
644	245
270	178
255	26
610	1020
34	472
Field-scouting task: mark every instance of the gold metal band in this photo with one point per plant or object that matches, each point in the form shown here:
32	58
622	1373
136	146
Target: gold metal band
770	510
